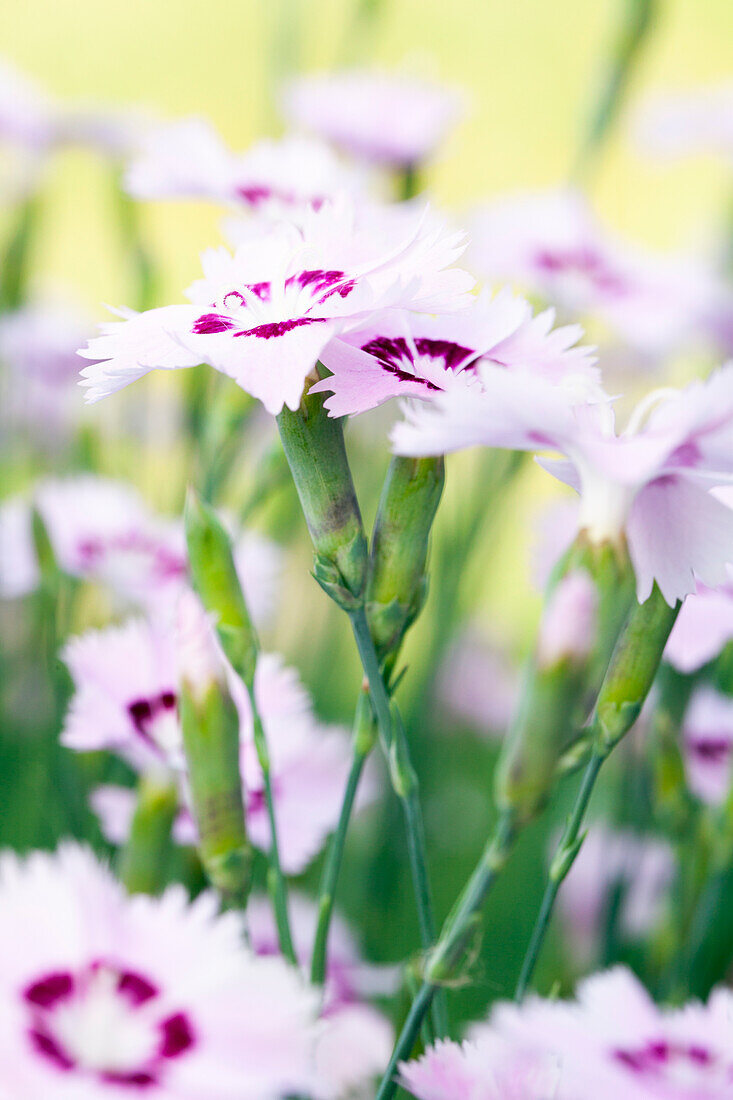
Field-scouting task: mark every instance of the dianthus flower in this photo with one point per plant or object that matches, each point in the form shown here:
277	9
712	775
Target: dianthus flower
126	701
487	1069
553	246
106	995
707	736
189	160
399	354
613	1041
264	314
380	117
102	530
650	483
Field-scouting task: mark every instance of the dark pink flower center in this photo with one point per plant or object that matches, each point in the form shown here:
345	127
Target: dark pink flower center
675	1061
64	1012
397	356
711	748
144	713
319	285
256	194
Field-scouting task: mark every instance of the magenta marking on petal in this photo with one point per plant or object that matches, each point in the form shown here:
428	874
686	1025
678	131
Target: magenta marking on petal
138	1079
177	1037
454	356
255	194
714	750
45	1044
209	323
137	989
49	990
143	712
323	283
273	329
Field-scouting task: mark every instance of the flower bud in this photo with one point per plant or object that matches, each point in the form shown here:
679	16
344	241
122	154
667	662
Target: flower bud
215	578
398	580
314	447
210	727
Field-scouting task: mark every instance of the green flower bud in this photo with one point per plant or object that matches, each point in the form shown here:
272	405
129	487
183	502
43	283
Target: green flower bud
398	580
144	859
215	578
210	726
314	447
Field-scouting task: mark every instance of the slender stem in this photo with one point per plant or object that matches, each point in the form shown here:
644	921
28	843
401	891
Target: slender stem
563	860
405	783
406	1041
457	932
275	879
362	745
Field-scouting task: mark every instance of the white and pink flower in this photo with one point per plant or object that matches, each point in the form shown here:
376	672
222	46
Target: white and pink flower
126	702
264	314
105	995
399	354
552	245
613	1041
488	1068
380	117
707	735
188	160
102	530
654	483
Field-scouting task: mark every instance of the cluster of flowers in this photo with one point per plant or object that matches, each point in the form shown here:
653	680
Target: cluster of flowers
328	291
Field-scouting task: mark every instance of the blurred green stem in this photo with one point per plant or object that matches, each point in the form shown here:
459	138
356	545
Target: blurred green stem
458	931
144	859
362	743
15	268
275	877
634	28
627	683
144	271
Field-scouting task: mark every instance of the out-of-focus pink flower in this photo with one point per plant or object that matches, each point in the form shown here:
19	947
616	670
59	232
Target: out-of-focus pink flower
643	868
708	744
698	120
478	684
38	346
613	1041
489	1068
406	355
105	995
102	530
553	246
126	701
189	160
31	118
264	315
651	482
703	627
568	627
380	117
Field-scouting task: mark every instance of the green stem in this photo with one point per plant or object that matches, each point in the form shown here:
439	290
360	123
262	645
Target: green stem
405	784
458	930
144	859
563	860
362	746
275	877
